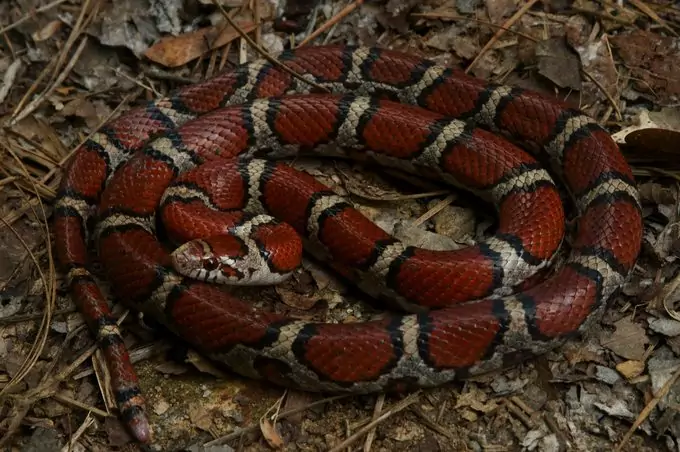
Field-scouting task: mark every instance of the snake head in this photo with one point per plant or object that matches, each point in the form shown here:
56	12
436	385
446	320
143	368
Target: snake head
227	259
214	259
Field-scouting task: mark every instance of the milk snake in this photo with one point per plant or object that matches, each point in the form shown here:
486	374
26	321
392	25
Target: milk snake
402	111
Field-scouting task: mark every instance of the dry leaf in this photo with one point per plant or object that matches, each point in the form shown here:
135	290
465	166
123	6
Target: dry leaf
271	434
416	236
653	60
201	417
203	365
654	144
628	340
47	31
667	327
558	64
476	400
161	407
82	108
631	368
455	222
174	51
297	300
171	368
576	353
296	400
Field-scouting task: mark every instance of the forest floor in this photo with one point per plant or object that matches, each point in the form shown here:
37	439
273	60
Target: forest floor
70	65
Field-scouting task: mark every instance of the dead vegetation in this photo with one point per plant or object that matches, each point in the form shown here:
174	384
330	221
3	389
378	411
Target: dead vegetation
69	65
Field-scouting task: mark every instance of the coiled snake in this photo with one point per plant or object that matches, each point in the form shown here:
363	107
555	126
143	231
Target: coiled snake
392	108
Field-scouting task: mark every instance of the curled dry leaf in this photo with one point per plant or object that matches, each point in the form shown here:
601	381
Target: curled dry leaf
670	297
47	31
658	193
271	433
171	368
296	300
652	138
82	108
203	365
668	306
654	145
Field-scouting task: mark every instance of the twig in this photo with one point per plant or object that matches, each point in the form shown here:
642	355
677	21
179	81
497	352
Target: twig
552	425
605	92
30	15
89	420
87	13
408	401
32	203
262	51
49	286
515	17
648	409
77	403
435	210
332	21
432	424
447	16
519	409
379	403
254	427
60	78
654	16
26	317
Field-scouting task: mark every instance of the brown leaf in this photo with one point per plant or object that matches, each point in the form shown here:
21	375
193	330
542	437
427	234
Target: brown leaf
498	9
295	400
628	340
82	108
654	141
576	353
174	51
271	434
171	368
653	61
47	31
558	64
201	417
296	300
202	364
631	368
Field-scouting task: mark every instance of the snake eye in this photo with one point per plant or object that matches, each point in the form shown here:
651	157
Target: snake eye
210	263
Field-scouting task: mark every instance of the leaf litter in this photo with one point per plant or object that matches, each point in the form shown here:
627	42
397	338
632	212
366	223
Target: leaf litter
69	65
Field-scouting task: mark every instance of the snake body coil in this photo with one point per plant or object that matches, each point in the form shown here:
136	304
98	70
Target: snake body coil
428	120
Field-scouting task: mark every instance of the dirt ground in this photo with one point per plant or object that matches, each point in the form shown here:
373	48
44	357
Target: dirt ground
70	65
